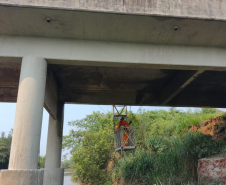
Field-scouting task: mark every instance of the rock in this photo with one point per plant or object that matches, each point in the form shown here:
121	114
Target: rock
212	170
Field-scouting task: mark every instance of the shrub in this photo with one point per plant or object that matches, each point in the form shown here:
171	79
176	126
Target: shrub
177	164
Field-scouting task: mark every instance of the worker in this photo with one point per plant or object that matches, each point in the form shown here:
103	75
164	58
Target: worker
121	123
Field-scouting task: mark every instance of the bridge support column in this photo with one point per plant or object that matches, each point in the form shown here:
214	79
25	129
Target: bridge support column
27	126
53	174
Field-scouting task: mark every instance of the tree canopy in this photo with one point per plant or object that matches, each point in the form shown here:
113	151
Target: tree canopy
5	144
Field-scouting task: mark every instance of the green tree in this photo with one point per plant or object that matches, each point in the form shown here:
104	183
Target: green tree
93	144
210	110
66	164
41	162
5	144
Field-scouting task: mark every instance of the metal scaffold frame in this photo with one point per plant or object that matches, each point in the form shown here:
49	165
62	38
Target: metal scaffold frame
124	136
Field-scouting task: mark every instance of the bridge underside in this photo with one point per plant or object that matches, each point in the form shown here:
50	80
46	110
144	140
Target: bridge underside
118	71
131	86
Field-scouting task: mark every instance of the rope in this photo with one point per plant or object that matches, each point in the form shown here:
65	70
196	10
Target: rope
102	109
138	110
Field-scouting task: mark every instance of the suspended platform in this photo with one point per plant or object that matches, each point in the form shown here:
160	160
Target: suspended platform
125	136
125	139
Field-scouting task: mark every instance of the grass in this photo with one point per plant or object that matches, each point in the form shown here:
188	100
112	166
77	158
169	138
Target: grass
167	153
171	162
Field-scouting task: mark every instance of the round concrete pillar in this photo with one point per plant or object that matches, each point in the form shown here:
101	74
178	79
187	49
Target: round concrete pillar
53	174
54	144
29	111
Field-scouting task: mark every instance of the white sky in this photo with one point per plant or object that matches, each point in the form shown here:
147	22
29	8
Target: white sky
72	112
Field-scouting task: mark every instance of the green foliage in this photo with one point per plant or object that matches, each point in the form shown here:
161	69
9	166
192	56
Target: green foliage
176	162
210	110
66	164
93	146
223	117
167	153
5	143
41	162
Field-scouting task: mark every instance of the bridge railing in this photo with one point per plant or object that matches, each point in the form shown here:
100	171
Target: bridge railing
125	139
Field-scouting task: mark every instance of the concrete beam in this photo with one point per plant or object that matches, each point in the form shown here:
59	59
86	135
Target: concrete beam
110	97
51	94
77	52
205	9
8	94
214	102
180	81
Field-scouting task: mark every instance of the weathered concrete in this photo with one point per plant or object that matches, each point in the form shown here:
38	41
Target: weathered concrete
29	110
51	94
94	53
212	170
205	9
54	176
133	28
21	177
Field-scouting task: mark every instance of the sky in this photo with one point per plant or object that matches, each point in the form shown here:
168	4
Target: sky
72	112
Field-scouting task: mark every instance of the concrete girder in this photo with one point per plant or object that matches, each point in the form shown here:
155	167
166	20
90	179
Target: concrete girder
51	94
94	53
214	102
99	26
116	98
180	81
8	94
205	9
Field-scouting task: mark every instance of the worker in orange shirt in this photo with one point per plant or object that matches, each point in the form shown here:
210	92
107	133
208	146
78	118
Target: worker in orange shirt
121	123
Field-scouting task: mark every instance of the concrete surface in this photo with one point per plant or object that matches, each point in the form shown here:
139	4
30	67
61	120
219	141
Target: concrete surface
54	141
51	94
88	25
114	54
212	170
21	177
28	118
207	9
53	176
118	51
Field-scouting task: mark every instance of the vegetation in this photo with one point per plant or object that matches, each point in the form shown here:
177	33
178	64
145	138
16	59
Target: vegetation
41	162
92	145
66	164
167	152
5	143
174	161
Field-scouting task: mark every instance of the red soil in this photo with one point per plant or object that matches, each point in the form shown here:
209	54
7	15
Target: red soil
216	127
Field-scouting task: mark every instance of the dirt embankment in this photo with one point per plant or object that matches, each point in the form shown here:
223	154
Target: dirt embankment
216	127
